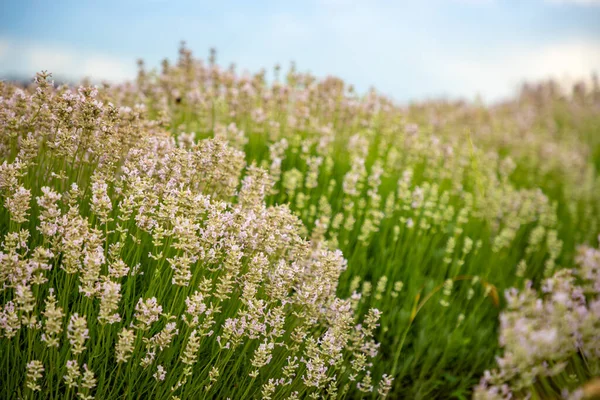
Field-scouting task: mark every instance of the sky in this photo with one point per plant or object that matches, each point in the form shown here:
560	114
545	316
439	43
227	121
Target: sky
408	49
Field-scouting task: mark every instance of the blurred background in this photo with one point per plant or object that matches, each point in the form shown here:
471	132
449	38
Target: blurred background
409	50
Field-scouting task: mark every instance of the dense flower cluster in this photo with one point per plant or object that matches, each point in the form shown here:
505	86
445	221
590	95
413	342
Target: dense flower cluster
200	232
144	254
553	334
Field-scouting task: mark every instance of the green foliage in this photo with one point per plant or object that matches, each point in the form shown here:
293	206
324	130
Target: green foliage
438	208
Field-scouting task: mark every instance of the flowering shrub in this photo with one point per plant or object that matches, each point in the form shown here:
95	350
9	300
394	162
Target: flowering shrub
550	335
200	233
134	268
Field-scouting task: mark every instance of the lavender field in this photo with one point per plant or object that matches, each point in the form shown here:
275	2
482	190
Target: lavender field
204	233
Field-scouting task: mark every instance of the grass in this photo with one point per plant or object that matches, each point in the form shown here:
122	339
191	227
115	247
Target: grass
438	208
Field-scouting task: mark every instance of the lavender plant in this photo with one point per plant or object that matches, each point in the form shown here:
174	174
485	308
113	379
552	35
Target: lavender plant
134	268
201	233
550	340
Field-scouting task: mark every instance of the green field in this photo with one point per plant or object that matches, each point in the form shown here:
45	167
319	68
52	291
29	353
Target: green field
179	236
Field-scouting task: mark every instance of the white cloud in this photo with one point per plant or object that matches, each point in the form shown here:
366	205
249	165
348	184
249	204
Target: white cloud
497	75
23	58
48	58
412	62
407	63
109	68
396	60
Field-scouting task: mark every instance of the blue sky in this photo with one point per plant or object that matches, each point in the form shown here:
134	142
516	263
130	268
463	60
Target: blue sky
408	49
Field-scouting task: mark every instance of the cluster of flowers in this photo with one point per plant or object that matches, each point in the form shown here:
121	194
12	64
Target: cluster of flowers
134	266
186	228
550	339
418	194
545	129
345	163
